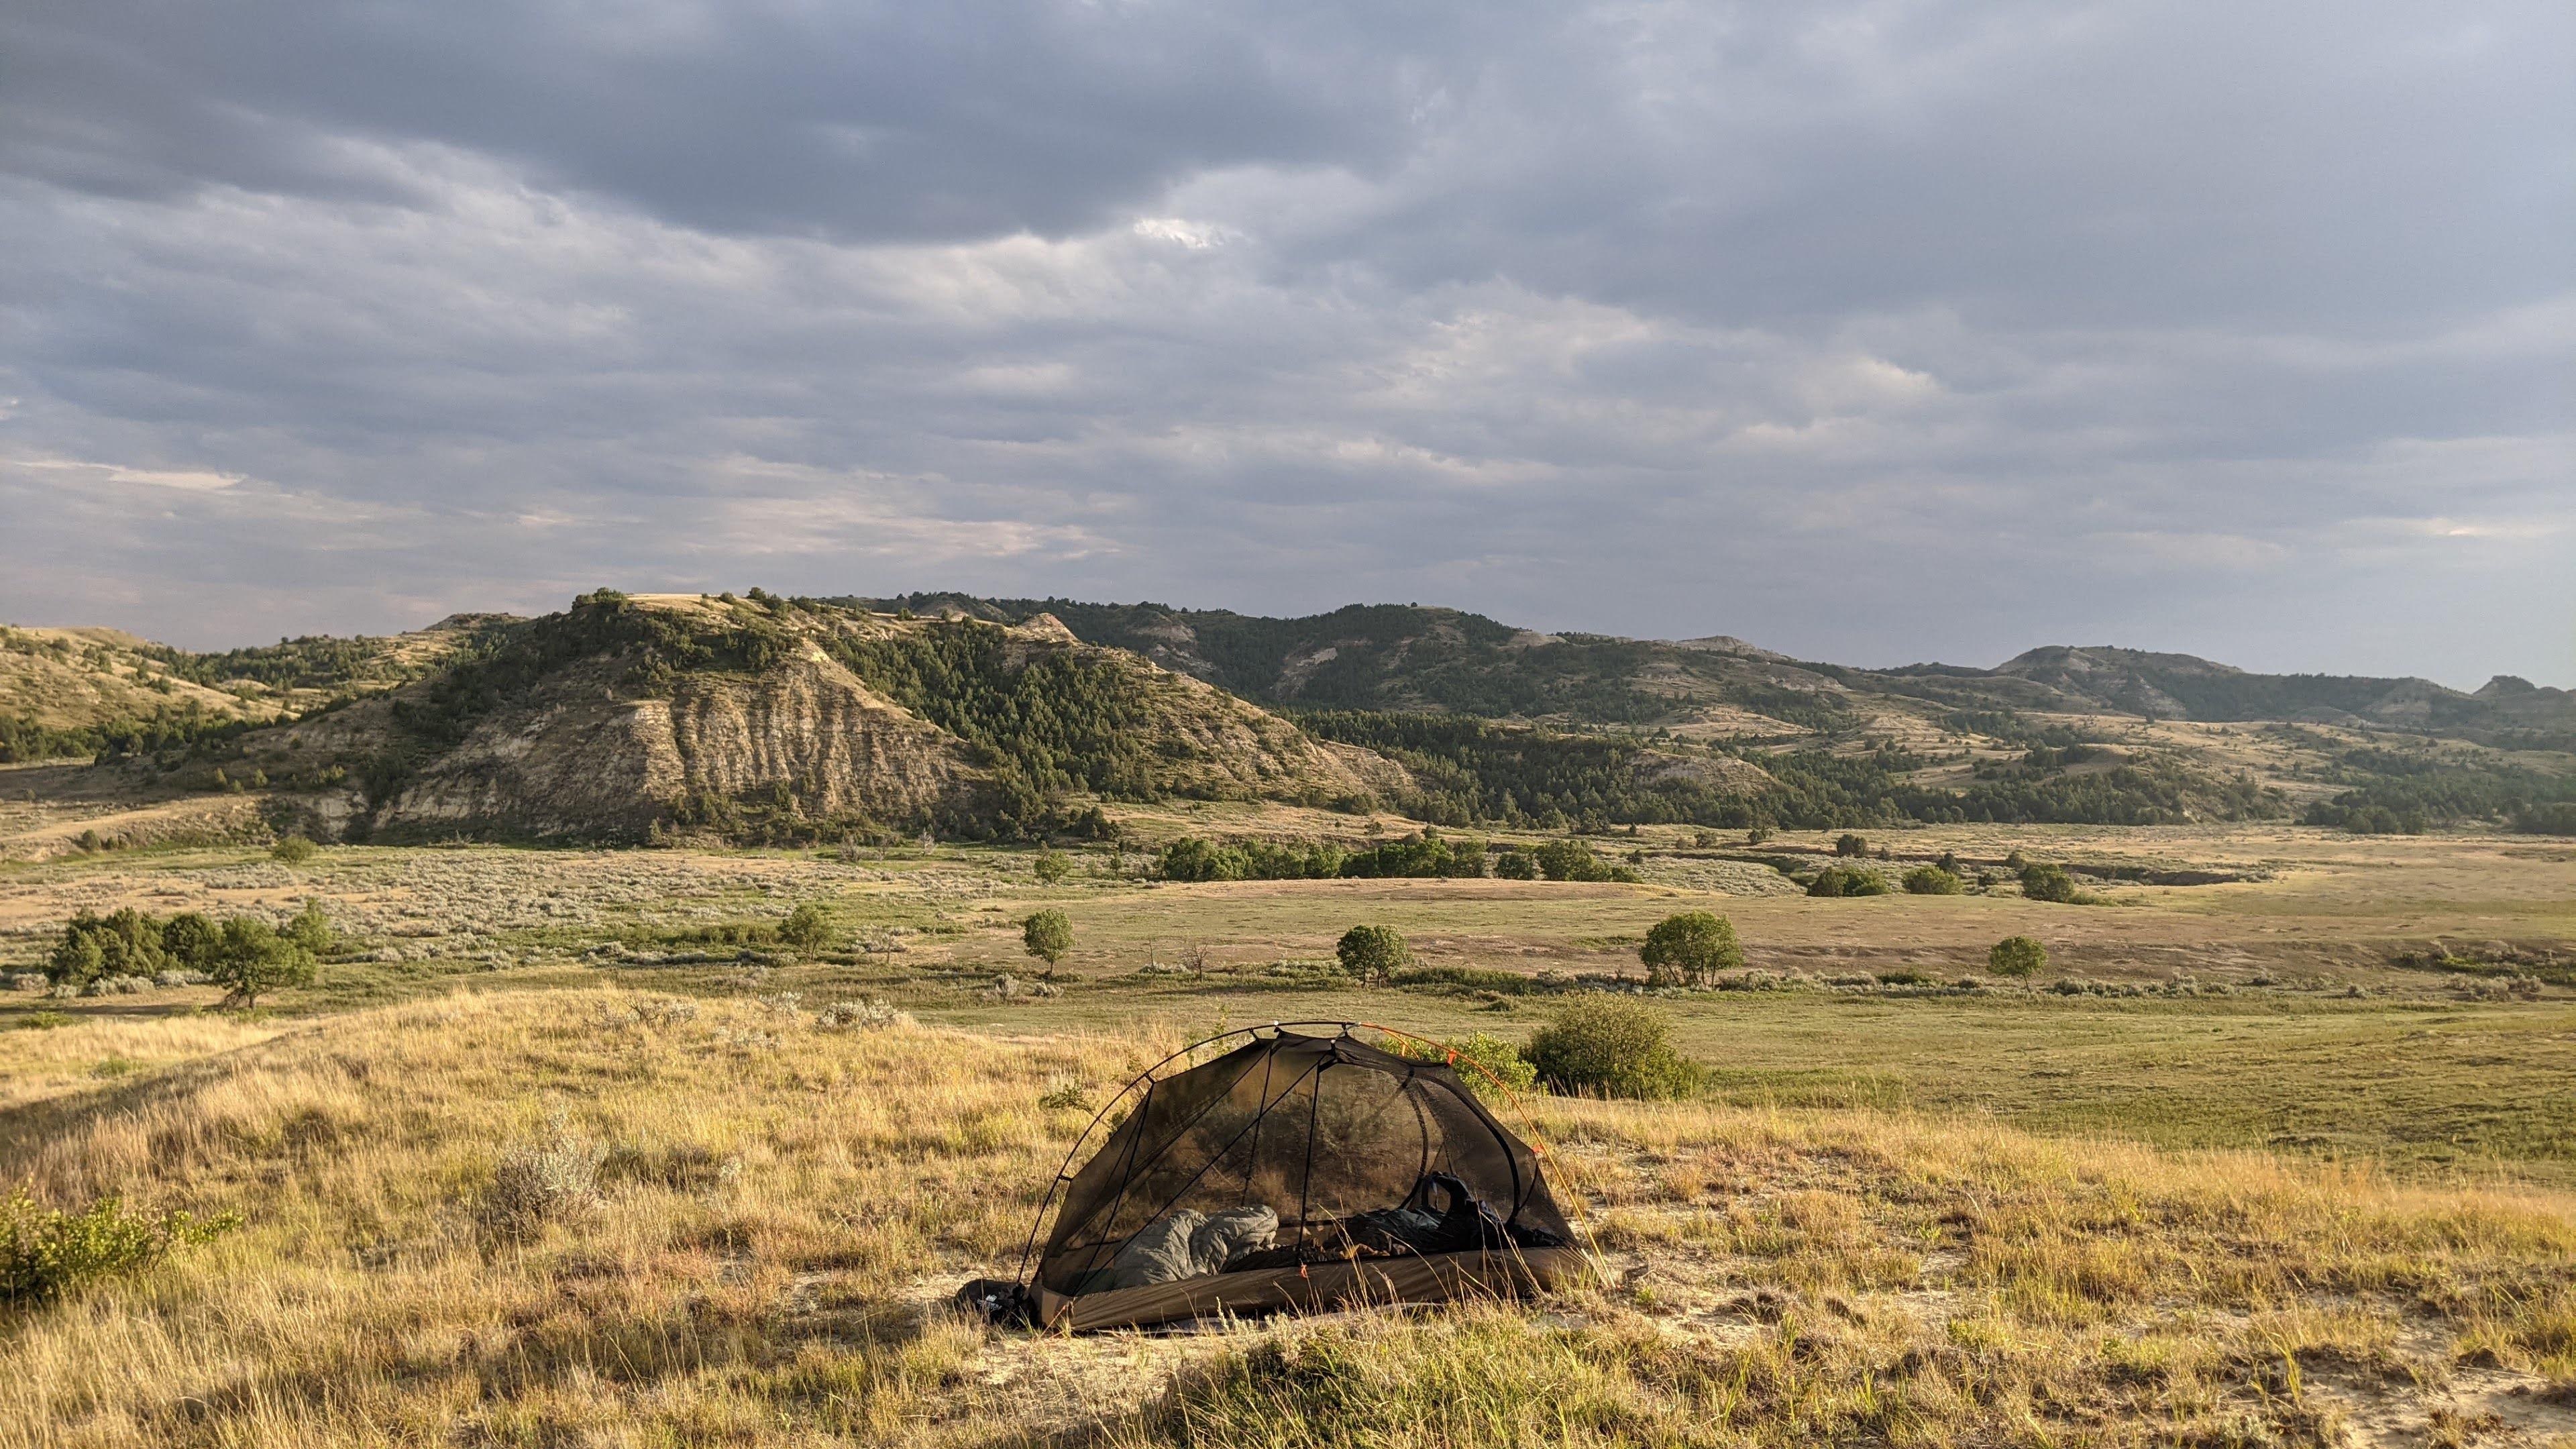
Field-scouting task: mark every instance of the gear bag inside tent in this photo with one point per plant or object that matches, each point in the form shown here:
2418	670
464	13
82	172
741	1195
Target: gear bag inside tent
1296	1170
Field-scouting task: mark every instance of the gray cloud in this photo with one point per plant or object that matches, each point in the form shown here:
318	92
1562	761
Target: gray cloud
1874	331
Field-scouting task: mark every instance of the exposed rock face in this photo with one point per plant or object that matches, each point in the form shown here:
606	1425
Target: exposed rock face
577	760
762	724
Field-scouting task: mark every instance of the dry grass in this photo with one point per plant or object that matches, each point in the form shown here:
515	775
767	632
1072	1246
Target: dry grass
774	1212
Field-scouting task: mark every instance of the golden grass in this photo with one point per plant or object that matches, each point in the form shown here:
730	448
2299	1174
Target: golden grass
783	1210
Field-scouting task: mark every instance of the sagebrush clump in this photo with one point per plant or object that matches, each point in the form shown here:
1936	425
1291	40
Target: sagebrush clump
548	1178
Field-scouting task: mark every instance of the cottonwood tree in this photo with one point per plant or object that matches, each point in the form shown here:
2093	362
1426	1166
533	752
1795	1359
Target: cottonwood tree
1691	947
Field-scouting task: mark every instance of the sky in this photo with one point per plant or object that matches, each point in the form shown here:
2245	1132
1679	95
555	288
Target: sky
1873	331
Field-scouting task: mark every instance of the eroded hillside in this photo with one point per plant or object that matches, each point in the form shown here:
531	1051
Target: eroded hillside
626	718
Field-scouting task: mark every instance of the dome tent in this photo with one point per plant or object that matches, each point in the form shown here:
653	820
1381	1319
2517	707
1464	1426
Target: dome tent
1293	1170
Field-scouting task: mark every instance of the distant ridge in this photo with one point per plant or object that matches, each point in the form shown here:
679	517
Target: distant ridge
771	720
1410	657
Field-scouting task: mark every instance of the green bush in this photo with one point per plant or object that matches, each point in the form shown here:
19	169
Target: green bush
1500	1061
1691	947
2048	883
1373	953
805	929
311	929
1602	1045
2017	956
45	1252
1051	867
293	850
123	943
1467	978
1847	880
1932	880
1515	865
1851	846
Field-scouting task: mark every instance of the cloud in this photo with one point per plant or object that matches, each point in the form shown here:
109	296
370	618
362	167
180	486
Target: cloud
1873	330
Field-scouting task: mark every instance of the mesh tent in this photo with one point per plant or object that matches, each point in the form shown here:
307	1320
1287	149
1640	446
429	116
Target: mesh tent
1294	1170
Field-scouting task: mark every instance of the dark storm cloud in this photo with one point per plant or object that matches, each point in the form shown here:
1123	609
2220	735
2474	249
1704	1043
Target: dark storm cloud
859	121
1870	330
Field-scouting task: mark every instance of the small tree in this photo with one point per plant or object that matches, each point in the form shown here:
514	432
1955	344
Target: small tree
2017	956
805	929
1515	865
1692	947
1373	953
1051	867
253	959
1047	935
311	929
78	960
1758	835
191	941
292	850
1851	847
1932	880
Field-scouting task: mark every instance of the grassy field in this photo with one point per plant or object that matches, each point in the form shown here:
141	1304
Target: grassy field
780	1209
2230	1171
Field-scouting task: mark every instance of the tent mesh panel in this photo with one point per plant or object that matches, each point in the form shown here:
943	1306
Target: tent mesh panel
1318	1129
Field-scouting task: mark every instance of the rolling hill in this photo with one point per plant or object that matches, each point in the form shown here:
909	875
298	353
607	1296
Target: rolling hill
625	718
1408	657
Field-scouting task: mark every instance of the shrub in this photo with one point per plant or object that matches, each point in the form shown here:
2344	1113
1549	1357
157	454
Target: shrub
1515	865
1851	846
535	1183
252	959
46	1252
1051	867
1047	935
311	929
1372	953
1568	860
1603	1045
293	850
2016	956
1932	880
1847	880
1692	947
1500	1061
1192	860
2048	883
123	943
805	929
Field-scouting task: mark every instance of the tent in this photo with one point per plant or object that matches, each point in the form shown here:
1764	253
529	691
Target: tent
1295	1170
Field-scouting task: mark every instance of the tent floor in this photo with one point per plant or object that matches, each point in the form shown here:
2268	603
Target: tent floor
1432	1278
